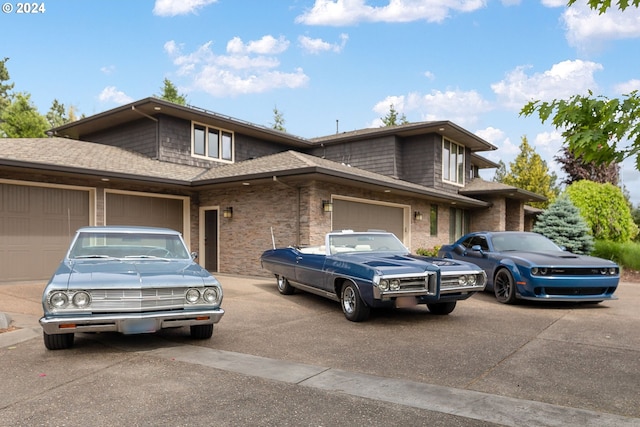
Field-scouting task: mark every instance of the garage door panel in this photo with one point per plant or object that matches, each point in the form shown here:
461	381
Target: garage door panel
128	209
359	216
37	224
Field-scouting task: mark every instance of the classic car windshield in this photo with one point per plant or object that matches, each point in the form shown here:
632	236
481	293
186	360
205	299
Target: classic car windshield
361	242
128	245
523	242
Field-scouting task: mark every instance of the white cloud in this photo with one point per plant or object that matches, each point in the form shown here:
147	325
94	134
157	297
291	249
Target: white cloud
112	94
627	87
429	75
108	69
350	12
563	80
316	46
179	7
250	67
587	29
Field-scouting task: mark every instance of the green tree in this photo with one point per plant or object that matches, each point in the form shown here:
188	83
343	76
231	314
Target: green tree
529	172
170	93
561	222
501	172
278	120
604	209
22	120
57	115
576	169
602	5
393	119
5	88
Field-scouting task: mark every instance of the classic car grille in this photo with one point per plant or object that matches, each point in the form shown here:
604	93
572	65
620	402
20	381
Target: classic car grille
137	299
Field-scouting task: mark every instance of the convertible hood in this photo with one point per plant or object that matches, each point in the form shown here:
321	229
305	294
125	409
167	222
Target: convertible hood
559	258
131	274
391	263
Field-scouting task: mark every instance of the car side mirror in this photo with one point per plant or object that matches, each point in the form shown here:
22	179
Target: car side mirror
194	255
477	248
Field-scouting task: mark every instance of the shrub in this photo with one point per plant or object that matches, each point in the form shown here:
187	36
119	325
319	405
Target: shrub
433	252
626	254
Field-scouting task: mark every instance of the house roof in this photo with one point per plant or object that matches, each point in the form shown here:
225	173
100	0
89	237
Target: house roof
293	166
444	127
151	107
478	187
86	158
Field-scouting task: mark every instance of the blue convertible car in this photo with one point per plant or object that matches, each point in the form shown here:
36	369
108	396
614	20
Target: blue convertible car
364	270
522	265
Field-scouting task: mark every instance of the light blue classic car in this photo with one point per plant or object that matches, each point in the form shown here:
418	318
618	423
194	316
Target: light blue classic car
130	280
364	270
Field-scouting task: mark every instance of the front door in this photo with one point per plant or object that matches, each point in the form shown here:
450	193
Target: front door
211	240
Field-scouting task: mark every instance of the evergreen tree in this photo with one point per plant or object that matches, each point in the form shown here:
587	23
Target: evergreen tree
21	119
529	172
5	88
170	93
278	120
562	223
392	118
501	172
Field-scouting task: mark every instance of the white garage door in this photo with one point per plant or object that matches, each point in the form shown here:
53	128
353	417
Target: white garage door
358	216
36	227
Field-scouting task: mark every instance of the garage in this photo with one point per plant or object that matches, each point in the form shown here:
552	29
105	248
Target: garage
36	225
141	209
363	216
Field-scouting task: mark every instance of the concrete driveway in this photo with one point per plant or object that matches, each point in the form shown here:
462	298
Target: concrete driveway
295	360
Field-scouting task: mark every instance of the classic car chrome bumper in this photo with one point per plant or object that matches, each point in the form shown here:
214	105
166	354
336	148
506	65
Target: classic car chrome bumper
129	323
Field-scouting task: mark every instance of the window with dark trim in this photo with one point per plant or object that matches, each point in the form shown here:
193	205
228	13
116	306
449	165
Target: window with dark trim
452	162
212	143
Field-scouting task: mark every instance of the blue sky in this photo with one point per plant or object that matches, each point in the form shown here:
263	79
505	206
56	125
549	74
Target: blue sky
332	65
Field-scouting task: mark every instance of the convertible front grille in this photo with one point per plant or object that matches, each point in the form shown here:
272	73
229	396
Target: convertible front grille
149	299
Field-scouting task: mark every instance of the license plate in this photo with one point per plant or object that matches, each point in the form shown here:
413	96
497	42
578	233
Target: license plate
139	326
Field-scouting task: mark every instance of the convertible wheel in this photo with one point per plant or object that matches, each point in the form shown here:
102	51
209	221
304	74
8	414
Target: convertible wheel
57	341
201	332
353	307
283	286
504	287
442	308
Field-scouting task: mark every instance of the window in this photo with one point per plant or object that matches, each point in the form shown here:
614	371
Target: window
212	143
452	162
458	223
433	221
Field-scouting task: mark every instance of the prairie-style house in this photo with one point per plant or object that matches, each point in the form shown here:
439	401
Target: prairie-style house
234	188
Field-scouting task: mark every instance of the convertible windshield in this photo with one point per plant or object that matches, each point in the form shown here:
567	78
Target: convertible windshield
363	242
128	245
529	242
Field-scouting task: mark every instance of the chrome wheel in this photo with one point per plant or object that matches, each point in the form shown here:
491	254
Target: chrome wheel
353	307
284	287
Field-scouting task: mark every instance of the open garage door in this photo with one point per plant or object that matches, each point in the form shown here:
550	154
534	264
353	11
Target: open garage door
143	210
360	216
36	227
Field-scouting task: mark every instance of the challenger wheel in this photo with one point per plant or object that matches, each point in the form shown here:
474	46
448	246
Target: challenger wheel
504	287
201	332
283	286
353	307
57	341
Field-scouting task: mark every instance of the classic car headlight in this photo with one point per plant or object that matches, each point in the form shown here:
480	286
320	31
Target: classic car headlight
192	296
211	295
81	299
394	285
58	300
467	280
383	285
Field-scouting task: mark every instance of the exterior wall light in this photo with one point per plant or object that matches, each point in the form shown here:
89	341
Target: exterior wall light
227	212
417	215
327	206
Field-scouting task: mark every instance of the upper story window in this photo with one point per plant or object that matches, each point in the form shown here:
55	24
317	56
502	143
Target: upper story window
212	143
452	162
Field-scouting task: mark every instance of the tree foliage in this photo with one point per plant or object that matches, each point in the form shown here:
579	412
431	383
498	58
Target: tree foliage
278	120
529	172
576	169
21	119
605	210
5	88
561	222
603	5
392	118
170	93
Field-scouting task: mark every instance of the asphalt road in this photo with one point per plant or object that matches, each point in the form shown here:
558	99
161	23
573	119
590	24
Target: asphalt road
296	361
